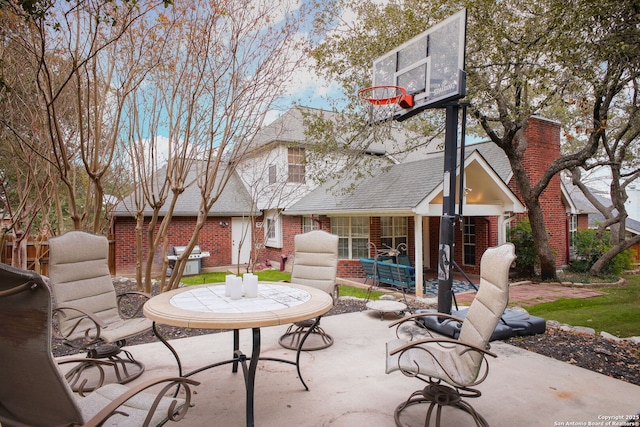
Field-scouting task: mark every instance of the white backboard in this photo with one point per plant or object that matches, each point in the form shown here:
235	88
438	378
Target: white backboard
430	66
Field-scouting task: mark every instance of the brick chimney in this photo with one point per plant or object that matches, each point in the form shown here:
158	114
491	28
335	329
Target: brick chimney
543	147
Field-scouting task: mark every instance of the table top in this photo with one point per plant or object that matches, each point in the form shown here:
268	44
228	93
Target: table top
206	306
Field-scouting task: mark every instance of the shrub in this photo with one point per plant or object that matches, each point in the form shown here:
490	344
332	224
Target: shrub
522	238
589	248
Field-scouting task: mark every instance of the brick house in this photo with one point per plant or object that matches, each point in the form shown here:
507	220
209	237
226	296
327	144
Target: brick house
270	199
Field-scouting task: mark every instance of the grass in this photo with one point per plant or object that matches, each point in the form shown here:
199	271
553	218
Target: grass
273	276
617	312
349	291
264	276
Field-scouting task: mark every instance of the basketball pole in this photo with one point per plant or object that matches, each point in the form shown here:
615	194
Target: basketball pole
447	221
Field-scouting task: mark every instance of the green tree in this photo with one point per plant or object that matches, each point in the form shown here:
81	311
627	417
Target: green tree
523	59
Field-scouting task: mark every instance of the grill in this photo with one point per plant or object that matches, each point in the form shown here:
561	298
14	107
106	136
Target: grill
194	260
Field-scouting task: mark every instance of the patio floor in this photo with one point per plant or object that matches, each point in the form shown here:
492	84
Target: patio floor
348	385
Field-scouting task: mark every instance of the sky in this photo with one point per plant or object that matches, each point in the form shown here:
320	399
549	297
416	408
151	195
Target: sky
307	87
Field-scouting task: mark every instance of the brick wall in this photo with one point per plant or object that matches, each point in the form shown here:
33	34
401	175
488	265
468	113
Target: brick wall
214	238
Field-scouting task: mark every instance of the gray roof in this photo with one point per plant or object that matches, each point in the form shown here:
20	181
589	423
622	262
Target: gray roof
235	200
288	128
584	206
399	187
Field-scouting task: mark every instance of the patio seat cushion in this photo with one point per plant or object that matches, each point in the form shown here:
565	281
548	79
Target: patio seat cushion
435	360
136	408
80	278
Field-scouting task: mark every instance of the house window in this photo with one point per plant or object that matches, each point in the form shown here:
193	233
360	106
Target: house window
573	228
272	174
469	241
272	230
296	165
393	231
309	224
354	236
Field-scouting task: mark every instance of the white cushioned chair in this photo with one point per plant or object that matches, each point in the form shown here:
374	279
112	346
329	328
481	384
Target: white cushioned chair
34	393
451	367
315	264
86	310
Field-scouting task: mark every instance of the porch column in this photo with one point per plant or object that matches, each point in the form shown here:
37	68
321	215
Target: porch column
417	221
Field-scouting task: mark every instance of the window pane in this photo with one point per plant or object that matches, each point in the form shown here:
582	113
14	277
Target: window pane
296	165
340	226
469	241
272	174
386	226
360	227
400	226
308	224
343	248
360	248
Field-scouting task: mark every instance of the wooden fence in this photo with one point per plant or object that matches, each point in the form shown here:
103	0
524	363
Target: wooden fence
40	256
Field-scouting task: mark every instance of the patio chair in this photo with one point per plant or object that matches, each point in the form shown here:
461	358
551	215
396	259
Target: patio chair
86	311
315	264
452	367
33	391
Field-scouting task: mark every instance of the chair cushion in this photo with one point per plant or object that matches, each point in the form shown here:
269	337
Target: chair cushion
316	260
127	328
80	277
136	408
431	360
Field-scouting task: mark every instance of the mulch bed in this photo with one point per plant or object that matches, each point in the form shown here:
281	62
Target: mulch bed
617	359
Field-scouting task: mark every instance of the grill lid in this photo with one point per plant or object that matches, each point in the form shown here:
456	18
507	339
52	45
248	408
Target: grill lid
179	250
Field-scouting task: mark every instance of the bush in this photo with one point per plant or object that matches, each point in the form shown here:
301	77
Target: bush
589	248
522	238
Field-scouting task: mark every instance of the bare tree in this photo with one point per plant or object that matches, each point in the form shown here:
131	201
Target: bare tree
80	91
223	66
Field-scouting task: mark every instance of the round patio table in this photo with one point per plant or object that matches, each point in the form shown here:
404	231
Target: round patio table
206	306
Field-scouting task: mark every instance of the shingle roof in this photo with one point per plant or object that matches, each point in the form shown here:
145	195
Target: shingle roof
400	187
234	200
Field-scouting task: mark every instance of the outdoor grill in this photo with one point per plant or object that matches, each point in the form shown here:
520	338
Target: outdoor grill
194	261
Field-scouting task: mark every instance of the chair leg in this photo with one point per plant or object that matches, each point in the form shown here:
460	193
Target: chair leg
294	334
89	373
439	396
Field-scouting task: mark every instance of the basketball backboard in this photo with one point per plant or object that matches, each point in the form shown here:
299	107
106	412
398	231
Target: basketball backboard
430	67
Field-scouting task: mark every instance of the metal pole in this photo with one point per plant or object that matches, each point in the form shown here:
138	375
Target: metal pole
447	222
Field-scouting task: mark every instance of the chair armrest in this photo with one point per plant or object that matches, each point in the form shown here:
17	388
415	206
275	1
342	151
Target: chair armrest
111	408
441	340
98	323
137	308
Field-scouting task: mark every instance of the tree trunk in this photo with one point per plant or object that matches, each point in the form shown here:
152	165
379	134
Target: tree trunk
602	262
545	254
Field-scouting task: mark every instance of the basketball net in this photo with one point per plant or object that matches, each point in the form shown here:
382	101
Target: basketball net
382	102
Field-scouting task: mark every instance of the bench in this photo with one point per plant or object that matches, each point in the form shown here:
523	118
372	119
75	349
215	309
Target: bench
397	275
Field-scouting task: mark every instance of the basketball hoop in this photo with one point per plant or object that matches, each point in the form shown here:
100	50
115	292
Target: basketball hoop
382	101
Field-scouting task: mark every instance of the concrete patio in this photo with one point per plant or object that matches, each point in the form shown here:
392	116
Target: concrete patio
349	387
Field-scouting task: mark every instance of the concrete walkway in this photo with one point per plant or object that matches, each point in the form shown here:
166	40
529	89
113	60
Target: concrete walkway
349	387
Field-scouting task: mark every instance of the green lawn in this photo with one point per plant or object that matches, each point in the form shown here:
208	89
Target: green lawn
617	312
265	276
